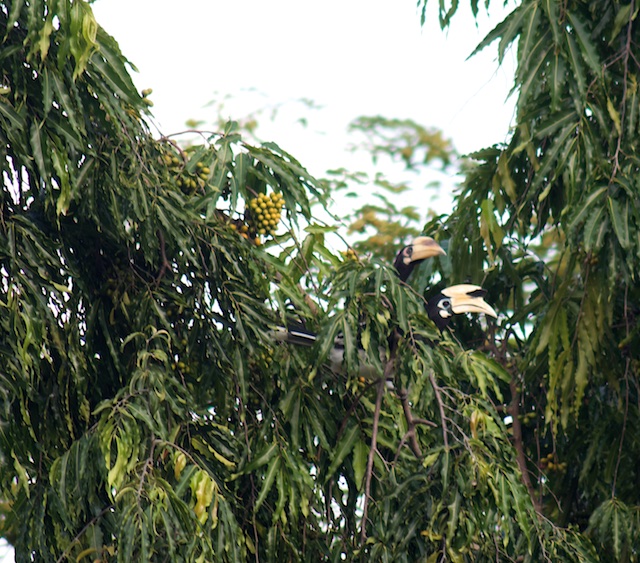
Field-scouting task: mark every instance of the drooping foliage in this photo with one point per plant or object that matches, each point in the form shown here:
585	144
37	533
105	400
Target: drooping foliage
556	214
150	413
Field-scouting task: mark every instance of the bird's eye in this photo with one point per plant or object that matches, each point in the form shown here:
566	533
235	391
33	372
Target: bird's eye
445	304
406	255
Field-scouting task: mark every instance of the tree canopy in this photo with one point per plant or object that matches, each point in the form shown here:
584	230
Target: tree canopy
148	410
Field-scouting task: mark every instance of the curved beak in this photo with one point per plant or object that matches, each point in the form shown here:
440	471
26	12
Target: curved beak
425	247
467	298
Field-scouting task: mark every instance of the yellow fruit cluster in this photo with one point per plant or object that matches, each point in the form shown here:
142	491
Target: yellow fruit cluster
187	182
145	96
172	161
548	463
350	254
203	171
244	232
265	212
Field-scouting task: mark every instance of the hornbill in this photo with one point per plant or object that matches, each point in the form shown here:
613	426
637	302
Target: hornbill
457	299
411	255
452	300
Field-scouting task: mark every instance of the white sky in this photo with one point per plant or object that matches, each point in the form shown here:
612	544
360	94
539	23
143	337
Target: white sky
352	57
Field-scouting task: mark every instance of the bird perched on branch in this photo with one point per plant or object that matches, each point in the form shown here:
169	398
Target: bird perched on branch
413	254
455	300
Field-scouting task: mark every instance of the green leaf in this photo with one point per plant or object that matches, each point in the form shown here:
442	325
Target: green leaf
595	229
615	116
264	457
577	66
558	79
622	18
531	68
550	8
267	483
588	49
111	65
507	182
360	456
11	116
507	31
14	14
585	208
619	215
343	449
529	36
39	152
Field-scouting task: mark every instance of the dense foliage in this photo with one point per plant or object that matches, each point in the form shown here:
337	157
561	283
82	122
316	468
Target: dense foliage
556	215
148	412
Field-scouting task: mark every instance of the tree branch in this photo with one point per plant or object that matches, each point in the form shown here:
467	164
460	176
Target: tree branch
518	443
90	523
443	418
411	425
372	450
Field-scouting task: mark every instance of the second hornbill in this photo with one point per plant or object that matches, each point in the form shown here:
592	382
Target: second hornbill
457	299
452	300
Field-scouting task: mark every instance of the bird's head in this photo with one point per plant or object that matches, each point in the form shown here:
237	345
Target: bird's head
455	300
420	249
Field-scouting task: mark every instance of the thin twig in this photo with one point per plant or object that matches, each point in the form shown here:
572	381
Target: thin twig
623	102
372	453
90	523
443	419
352	407
518	442
411	424
147	464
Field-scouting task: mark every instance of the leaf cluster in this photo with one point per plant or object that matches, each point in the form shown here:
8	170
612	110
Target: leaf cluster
554	214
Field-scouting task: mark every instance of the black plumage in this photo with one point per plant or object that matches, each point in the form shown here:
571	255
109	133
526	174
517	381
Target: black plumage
455	300
413	254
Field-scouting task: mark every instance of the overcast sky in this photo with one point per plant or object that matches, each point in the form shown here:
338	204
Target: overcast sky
351	57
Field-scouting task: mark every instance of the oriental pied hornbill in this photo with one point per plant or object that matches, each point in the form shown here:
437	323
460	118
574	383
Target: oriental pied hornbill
453	300
457	299
411	255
